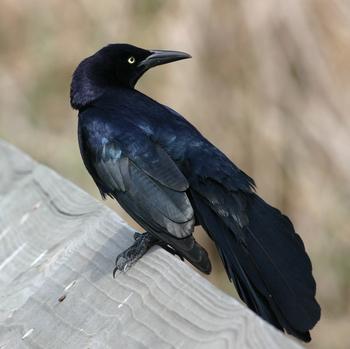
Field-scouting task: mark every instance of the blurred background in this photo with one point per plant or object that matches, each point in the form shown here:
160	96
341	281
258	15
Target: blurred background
268	84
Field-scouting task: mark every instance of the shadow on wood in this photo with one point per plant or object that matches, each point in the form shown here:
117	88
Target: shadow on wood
57	252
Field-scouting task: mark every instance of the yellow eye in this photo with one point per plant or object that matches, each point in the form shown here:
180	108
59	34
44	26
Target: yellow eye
131	60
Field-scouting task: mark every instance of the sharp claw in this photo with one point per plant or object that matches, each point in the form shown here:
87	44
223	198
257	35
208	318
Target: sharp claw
118	269
115	271
127	258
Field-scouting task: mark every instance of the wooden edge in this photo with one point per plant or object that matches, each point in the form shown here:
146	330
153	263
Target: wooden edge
57	252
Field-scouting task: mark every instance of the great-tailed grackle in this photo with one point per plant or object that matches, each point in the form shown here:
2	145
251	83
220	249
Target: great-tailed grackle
169	178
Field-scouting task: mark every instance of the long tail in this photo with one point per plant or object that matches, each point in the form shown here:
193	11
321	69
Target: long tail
267	262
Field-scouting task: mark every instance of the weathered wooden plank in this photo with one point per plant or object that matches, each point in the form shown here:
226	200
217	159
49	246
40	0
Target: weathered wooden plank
57	252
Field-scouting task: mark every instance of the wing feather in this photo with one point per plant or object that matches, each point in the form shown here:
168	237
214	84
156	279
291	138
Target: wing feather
160	204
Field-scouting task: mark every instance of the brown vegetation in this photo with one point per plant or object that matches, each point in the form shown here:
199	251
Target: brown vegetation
268	83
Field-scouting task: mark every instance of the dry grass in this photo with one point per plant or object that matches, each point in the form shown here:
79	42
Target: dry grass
268	84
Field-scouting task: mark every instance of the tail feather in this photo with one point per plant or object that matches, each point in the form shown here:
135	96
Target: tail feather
266	261
191	250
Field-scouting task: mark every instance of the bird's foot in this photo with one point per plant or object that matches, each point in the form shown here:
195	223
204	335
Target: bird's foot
161	244
143	242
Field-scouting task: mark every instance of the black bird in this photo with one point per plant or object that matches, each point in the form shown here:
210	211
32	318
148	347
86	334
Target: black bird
169	179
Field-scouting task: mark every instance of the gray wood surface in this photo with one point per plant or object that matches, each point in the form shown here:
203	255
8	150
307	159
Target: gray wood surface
57	252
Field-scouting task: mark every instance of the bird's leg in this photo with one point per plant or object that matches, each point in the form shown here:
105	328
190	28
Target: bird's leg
143	242
161	244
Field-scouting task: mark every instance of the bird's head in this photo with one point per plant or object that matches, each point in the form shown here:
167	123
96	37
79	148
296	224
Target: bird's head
115	65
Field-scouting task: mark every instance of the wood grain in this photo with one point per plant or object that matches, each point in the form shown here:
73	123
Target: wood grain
57	252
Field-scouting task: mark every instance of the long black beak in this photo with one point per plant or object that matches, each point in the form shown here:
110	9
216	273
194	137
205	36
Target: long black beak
158	57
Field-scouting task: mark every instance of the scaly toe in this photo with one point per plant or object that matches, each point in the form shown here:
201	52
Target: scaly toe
122	264
137	236
130	256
